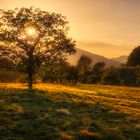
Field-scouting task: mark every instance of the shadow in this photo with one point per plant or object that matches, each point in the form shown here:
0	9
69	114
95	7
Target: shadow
33	115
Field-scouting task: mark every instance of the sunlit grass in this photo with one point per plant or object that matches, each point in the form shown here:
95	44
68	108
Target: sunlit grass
65	112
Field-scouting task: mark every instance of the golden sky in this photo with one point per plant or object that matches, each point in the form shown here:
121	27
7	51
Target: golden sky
113	23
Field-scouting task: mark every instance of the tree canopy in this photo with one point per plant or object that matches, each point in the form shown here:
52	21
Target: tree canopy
134	57
83	65
30	37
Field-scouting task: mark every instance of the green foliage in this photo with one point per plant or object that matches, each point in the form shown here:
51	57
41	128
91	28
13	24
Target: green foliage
111	76
97	71
72	75
31	37
134	57
138	77
62	73
56	73
128	76
83	65
84	62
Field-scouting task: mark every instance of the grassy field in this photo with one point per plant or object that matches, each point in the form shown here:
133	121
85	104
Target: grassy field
82	112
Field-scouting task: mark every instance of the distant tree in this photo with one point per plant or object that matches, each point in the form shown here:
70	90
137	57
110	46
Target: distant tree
83	65
138	77
128	76
87	77
72	74
111	76
32	37
97	72
61	72
56	73
134	57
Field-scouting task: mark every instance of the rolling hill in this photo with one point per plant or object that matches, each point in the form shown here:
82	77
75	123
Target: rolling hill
73	59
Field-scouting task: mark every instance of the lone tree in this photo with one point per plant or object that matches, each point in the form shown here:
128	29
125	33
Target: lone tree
30	37
134	57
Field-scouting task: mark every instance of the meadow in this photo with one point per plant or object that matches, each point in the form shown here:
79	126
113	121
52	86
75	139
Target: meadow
58	112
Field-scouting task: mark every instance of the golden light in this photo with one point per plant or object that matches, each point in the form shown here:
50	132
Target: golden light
31	31
29	34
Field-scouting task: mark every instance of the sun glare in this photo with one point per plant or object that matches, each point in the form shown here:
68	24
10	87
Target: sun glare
29	34
31	31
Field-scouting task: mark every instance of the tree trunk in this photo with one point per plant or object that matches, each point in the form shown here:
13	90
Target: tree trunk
30	80
30	71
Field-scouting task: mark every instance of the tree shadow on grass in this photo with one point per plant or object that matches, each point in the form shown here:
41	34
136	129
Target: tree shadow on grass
34	116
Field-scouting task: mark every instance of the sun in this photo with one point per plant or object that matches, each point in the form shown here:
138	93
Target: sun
31	31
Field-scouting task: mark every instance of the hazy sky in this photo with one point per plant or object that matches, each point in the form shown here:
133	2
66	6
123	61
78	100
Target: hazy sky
108	21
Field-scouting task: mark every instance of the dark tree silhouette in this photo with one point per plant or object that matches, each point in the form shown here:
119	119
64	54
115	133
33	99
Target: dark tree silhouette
56	73
83	65
111	76
134	57
84	62
97	72
31	37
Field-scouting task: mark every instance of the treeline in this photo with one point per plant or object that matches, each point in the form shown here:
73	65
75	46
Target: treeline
83	72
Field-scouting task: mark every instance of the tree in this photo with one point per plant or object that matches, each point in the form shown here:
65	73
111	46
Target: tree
56	73
111	76
138	77
83	65
97	72
62	73
134	57
128	76
31	37
72	75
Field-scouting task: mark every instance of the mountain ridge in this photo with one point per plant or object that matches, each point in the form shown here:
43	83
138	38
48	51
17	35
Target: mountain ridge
73	59
121	59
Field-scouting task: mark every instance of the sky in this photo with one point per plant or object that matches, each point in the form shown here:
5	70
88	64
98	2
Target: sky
113	23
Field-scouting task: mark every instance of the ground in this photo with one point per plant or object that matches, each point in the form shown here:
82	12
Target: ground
57	112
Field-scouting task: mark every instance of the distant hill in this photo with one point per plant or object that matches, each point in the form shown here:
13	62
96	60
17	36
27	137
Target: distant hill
121	59
73	59
104	49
